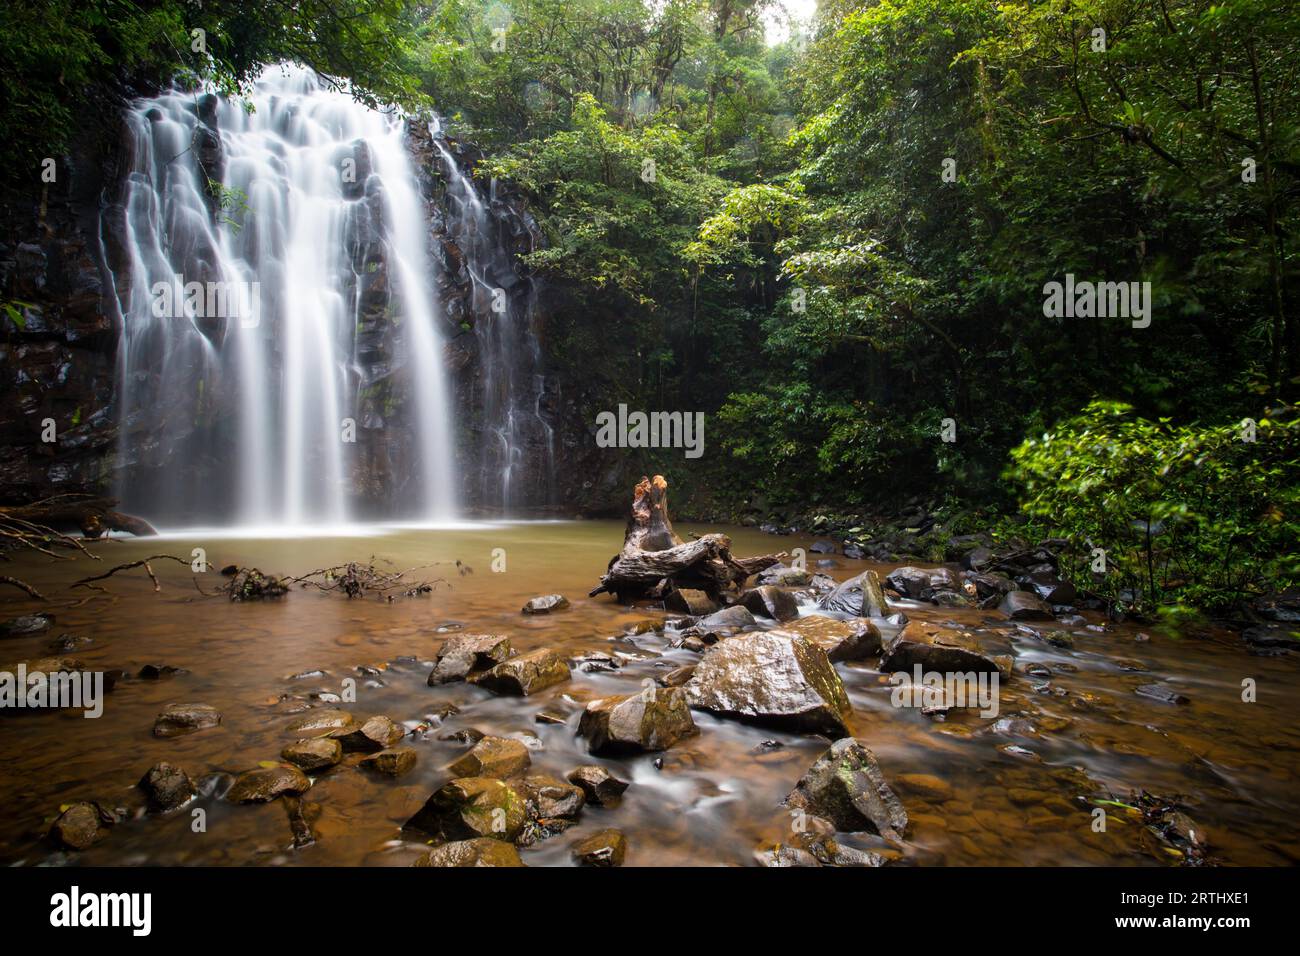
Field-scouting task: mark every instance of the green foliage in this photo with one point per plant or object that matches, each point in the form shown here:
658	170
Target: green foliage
1186	514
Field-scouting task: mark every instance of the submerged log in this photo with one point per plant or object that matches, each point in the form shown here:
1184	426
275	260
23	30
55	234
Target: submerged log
654	560
90	515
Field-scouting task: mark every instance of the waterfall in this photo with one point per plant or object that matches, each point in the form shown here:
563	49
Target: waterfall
515	434
281	352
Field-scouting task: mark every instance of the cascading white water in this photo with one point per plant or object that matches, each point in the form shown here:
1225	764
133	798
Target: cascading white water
509	350
243	416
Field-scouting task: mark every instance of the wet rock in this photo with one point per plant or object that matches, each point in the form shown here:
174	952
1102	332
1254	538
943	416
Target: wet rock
677	676
783	575
82	825
296	810
689	601
1272	635
463	654
180	719
860	596
652	720
526	674
377	733
66	643
1025	606
26	626
920	584
772	677
784	856
824	547
841	640
944	652
391	763
166	787
493	757
480	851
549	797
471	807
266	783
847	787
818	839
726	621
771	602
546	604
1162	693
1055	591
602	848
991	584
313	754
160	671
599	786
323	722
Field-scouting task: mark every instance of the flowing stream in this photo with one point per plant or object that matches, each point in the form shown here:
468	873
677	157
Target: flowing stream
1015	789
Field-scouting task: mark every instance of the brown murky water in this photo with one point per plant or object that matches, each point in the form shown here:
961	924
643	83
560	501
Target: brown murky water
715	799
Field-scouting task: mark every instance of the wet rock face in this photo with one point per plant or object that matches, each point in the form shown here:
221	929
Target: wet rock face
774	678
598	785
861	596
180	719
690	601
841	640
317	753
166	787
940	652
653	720
550	797
493	757
470	807
847	787
266	783
526	674
480	851
463	654
772	602
546	604
602	848
391	763
377	733
82	825
1025	606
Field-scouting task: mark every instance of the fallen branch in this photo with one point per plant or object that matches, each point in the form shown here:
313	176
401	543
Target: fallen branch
23	586
142	563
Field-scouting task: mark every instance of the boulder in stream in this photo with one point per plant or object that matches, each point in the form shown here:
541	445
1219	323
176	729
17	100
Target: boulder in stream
322	722
313	754
492	757
772	602
689	601
545	604
180	719
1025	606
166	787
847	787
471	807
841	640
599	786
652	720
550	797
526	674
463	654
860	596
480	851
375	734
392	762
266	783
774	678
602	848
82	825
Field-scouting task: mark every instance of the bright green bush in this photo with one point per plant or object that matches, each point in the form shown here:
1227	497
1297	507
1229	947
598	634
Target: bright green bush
1187	514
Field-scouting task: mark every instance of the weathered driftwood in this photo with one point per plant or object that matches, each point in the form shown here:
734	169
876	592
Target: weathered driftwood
87	514
654	559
